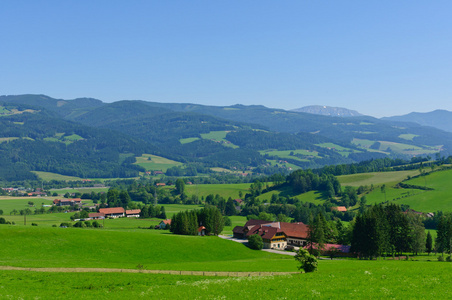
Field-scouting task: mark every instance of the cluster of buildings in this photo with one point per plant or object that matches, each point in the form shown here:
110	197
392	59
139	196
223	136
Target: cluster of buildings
279	235
275	235
115	212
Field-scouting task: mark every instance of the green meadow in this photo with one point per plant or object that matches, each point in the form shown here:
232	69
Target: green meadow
48	176
128	248
284	154
341	150
224	190
156	163
334	279
82	190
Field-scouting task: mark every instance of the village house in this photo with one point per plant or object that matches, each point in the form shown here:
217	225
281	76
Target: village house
67	202
273	237
133	213
165	223
96	216
295	234
202	231
113	212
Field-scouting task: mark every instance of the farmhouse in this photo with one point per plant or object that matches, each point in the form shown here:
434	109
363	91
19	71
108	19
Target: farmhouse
67	202
285	234
133	213
165	223
96	216
240	232
114	212
273	237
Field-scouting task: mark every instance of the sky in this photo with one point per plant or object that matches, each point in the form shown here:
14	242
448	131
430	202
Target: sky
381	58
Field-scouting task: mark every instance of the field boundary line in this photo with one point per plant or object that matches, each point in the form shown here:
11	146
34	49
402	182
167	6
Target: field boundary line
168	272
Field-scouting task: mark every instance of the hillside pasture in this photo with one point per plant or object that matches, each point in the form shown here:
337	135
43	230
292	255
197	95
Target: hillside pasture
156	163
81	190
285	154
224	190
8	139
375	178
188	140
314	197
341	150
48	176
219	137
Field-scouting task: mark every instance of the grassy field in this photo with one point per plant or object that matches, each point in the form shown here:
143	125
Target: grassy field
218	136
341	150
224	190
398	147
286	154
115	248
7	204
429	201
376	178
82	190
188	140
48	176
156	163
312	196
334	279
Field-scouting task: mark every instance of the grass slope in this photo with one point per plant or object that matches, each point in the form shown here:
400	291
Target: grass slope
156	163
224	190
154	249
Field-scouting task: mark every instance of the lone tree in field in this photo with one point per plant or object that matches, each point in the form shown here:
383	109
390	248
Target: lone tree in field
255	242
429	243
308	262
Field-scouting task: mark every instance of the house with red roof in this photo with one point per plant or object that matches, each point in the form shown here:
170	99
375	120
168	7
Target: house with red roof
67	202
96	216
294	233
273	237
165	223
133	213
113	212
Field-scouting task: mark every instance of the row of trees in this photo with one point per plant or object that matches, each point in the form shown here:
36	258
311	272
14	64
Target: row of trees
386	230
188	222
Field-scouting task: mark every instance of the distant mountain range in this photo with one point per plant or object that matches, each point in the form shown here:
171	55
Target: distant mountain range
328	111
103	139
441	119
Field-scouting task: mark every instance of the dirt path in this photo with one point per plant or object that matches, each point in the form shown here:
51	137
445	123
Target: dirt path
107	270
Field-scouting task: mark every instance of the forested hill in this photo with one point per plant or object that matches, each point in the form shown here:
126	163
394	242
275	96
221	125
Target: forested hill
441	119
236	137
33	140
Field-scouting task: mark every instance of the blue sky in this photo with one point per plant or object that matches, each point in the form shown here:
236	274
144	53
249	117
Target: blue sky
381	58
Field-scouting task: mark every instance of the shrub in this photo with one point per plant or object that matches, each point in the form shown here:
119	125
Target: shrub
96	224
440	258
34	224
2	221
255	242
227	221
449	258
308	261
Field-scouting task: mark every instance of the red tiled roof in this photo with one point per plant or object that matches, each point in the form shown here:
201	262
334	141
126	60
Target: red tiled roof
296	230
112	210
238	200
167	222
133	211
201	228
339	208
